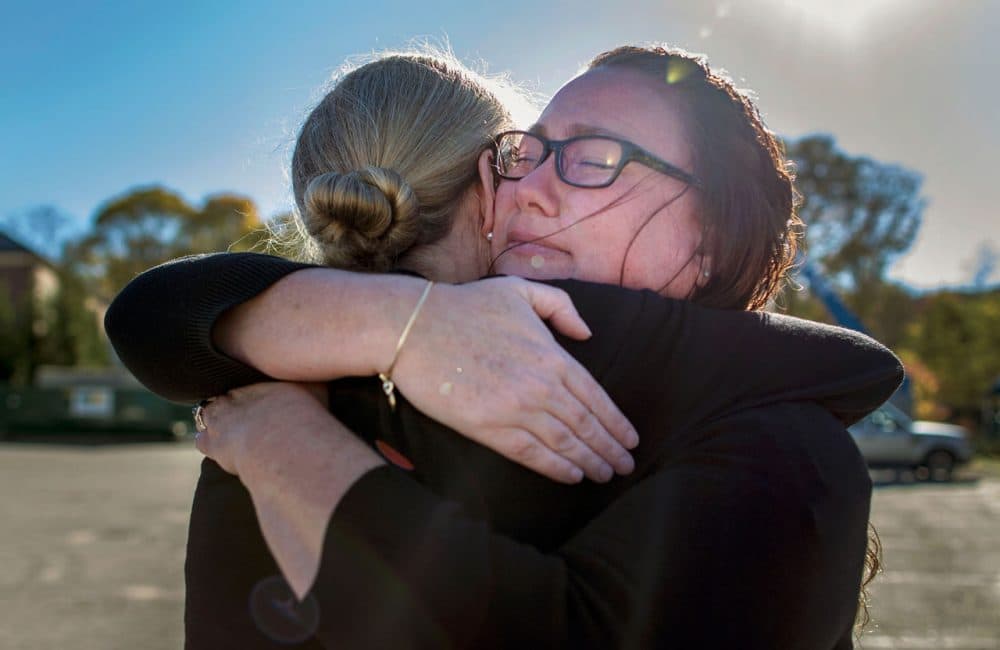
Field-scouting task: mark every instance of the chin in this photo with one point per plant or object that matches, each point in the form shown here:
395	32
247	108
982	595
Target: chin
524	269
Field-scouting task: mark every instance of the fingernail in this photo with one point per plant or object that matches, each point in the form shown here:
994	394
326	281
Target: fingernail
626	463
605	473
632	439
576	475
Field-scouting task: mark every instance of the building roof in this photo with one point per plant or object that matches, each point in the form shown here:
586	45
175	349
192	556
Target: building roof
7	245
10	245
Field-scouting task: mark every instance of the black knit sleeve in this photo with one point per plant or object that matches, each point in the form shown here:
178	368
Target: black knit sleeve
654	353
754	540
161	323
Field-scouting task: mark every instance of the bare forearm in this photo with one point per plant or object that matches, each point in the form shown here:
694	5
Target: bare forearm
296	490
200	326
320	324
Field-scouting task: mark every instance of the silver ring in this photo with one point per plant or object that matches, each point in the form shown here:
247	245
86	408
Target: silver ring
199	418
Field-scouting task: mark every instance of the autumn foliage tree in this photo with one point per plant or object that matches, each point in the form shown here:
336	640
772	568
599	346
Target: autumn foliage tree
957	336
151	225
861	215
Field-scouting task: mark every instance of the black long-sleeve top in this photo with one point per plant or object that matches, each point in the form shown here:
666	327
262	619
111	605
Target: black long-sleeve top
743	525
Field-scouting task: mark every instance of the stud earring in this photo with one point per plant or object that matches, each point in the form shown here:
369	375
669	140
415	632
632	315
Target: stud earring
489	236
706	273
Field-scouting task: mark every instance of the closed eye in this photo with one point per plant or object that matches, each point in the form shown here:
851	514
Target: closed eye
599	164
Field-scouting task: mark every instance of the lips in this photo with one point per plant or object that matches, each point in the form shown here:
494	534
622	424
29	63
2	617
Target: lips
537	260
531	243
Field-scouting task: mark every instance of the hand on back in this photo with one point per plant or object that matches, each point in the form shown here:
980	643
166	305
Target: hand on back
481	360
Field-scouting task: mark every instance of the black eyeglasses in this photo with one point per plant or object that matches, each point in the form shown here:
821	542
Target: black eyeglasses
584	161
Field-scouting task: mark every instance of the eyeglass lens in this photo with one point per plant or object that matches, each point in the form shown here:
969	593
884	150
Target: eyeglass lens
585	161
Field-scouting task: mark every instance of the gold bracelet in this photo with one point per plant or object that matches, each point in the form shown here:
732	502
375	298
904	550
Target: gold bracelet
388	386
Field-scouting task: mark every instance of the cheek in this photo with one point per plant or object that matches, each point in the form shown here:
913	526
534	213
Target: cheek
504	206
665	255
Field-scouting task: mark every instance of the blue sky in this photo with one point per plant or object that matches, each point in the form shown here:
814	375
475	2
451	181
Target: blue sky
96	98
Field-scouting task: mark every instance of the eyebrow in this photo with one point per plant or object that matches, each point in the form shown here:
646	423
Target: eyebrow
577	129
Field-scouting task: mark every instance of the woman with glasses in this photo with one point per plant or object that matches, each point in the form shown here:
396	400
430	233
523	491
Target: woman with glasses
588	161
741	519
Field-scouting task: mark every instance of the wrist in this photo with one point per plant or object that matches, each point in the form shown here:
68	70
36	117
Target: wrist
321	324
388	385
385	305
306	467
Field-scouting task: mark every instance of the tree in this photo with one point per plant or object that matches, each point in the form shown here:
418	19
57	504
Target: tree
43	228
15	341
861	214
131	233
226	222
71	334
151	225
984	265
957	337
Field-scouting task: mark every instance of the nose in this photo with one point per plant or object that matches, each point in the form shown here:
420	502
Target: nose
538	192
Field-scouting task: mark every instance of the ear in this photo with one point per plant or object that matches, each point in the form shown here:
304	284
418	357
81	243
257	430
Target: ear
486	189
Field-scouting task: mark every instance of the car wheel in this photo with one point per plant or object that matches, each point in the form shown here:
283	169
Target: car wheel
939	464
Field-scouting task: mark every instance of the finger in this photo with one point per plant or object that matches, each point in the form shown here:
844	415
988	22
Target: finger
586	389
563	440
556	307
577	417
525	449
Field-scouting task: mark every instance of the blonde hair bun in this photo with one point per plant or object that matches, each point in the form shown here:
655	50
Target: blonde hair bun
364	219
422	118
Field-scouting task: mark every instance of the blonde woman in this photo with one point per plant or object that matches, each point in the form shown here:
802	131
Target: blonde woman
741	519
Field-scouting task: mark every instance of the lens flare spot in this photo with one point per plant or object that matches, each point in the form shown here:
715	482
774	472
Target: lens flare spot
537	261
279	615
143	593
52	573
81	537
678	70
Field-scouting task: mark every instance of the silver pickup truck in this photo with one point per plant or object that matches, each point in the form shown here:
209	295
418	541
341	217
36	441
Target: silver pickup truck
889	439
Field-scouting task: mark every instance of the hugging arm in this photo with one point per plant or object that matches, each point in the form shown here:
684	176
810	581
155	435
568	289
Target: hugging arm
659	355
753	538
320	323
544	409
161	323
686	340
162	327
198	326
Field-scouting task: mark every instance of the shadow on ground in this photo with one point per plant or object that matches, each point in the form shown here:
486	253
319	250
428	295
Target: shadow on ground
890	478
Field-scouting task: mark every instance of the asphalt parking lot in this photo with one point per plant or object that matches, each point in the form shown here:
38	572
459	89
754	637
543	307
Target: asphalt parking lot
92	550
940	587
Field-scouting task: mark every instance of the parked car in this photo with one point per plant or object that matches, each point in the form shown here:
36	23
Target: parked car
888	438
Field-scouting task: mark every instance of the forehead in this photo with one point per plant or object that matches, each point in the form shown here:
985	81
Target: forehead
617	101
